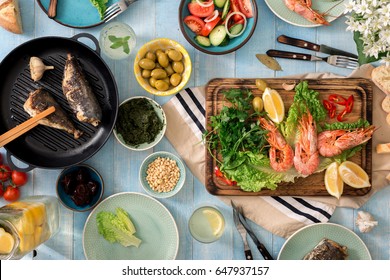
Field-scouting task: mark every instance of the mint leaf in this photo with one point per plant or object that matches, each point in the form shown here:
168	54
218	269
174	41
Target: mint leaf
116	45
126	48
113	38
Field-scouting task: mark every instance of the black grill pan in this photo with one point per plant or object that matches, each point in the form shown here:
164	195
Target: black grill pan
43	146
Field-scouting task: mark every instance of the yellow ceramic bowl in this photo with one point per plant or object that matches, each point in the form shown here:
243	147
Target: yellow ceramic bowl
162	43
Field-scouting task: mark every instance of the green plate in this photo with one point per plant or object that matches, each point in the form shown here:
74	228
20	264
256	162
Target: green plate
305	239
154	224
324	6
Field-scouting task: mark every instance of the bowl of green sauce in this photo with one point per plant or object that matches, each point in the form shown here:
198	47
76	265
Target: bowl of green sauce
141	123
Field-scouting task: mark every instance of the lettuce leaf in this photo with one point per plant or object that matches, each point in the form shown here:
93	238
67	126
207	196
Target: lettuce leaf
101	6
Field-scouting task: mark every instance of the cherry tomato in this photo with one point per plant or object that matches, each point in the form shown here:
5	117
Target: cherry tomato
245	7
5	172
338	99
11	193
18	178
194	23
209	26
197	10
349	105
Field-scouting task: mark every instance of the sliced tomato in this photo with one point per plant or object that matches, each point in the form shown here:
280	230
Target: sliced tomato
245	7
235	8
194	23
197	10
209	26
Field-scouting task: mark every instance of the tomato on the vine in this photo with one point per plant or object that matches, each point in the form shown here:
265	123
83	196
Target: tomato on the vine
11	193
5	172
18	178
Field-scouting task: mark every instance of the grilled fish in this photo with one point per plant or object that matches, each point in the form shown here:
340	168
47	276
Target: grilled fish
79	93
327	250
38	101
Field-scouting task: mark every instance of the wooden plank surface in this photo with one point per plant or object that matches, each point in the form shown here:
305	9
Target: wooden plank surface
119	167
312	185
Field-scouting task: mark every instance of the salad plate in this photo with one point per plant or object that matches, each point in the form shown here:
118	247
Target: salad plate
305	239
154	224
312	185
332	10
75	14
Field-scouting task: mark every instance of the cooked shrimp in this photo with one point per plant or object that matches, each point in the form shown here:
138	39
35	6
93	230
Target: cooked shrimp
333	142
280	154
303	8
306	159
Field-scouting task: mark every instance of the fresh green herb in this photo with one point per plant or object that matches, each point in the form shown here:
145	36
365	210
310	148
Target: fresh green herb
117	227
118	42
101	6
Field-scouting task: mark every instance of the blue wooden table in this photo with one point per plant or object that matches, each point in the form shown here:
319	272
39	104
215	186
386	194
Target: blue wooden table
119	167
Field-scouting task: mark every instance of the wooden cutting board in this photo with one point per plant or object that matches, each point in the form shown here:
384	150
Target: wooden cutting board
312	185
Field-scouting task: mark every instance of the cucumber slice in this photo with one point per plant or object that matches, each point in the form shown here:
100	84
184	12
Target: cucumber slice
225	41
225	10
217	35
202	41
220	3
236	29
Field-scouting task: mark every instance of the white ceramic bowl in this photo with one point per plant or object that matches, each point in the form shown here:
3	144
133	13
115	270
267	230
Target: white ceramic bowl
144	146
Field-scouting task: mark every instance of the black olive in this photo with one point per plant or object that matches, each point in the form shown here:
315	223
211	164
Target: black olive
82	194
93	186
68	183
82	175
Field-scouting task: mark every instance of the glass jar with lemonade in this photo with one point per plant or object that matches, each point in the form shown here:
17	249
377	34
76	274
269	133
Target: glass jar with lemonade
26	224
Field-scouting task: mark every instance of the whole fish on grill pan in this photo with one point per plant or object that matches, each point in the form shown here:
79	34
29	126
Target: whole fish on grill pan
38	101
327	249
79	94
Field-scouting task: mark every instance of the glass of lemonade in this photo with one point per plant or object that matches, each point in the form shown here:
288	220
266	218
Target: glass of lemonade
206	224
117	40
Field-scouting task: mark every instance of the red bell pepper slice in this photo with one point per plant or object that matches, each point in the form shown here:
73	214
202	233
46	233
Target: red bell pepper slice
220	175
342	114
349	105
331	108
338	99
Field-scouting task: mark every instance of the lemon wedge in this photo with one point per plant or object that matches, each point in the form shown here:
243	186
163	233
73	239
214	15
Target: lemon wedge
273	105
333	182
353	175
6	242
215	220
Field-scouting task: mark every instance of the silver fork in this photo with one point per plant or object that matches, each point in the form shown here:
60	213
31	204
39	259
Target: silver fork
242	231
335	60
116	9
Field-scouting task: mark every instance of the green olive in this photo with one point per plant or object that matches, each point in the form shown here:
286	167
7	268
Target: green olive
151	56
146	63
175	55
163	59
159	74
261	84
257	104
158	52
152	81
161	85
158	65
175	79
166	80
178	66
146	73
169	70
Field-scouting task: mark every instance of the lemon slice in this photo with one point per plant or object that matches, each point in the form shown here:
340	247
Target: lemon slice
273	105
6	242
215	220
333	182
353	175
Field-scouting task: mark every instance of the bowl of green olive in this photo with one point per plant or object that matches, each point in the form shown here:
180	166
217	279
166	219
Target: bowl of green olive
162	67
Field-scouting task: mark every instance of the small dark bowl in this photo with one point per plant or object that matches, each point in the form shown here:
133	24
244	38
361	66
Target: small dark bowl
234	44
66	199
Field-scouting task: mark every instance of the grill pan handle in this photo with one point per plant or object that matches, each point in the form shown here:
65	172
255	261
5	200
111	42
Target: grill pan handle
88	36
14	167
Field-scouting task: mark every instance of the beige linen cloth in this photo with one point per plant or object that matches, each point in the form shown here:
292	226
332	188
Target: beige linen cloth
280	215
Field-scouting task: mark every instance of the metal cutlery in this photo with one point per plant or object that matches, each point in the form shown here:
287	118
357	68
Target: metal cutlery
116	9
335	60
243	233
312	46
260	246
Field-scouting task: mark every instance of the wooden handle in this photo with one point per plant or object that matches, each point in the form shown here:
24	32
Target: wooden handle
298	43
290	55
52	11
17	131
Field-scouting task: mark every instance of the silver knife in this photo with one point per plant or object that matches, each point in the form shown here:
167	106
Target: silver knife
241	230
312	46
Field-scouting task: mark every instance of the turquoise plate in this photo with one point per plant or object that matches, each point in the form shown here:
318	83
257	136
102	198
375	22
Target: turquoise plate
75	13
305	239
334	10
154	224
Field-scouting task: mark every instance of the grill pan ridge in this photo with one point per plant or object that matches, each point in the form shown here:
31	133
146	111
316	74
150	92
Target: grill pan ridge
44	146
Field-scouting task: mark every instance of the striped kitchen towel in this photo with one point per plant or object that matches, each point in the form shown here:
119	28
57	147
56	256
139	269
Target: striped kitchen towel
280	215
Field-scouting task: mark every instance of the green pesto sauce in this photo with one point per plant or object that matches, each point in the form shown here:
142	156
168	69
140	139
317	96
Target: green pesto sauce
137	122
